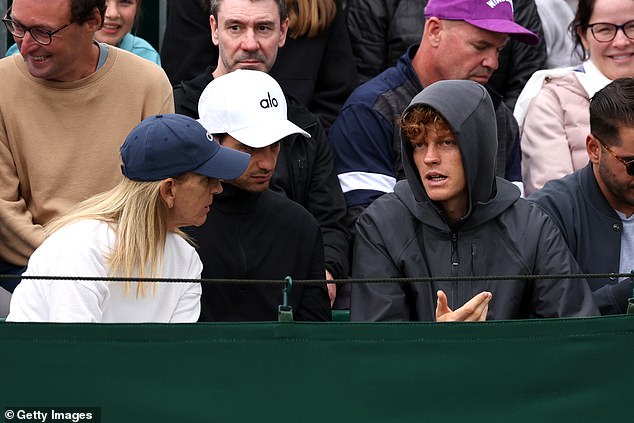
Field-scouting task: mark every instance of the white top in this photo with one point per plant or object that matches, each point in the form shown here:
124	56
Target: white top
79	249
627	243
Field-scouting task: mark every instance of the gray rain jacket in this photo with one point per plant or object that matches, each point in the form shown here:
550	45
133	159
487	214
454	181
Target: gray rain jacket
404	234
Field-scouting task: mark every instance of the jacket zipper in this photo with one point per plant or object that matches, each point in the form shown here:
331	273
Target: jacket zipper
455	259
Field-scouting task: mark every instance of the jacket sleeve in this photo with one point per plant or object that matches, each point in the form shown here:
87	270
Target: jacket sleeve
518	61
19	235
371	260
187	308
337	76
361	142
72	300
508	162
558	297
325	201
544	144
611	298
315	303
329	207
368	26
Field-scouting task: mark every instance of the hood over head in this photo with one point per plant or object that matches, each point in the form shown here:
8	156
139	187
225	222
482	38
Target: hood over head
468	109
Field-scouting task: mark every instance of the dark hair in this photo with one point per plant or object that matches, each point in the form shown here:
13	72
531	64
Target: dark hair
214	6
84	10
581	21
611	108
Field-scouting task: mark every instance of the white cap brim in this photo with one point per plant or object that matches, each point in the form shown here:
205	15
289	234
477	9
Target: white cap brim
268	133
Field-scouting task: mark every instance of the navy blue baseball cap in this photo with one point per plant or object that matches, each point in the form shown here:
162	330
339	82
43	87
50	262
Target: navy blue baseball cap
165	146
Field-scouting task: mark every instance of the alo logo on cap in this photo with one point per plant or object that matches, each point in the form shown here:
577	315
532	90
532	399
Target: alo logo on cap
265	103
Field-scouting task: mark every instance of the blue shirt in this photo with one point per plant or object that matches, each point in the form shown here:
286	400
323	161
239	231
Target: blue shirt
136	45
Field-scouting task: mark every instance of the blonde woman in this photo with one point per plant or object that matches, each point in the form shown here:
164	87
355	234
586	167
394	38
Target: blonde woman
172	170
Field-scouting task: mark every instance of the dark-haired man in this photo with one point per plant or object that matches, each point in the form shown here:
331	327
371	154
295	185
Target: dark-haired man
594	206
249	34
67	104
254	233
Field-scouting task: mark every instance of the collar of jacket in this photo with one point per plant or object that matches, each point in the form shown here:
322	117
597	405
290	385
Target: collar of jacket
235	200
593	193
192	90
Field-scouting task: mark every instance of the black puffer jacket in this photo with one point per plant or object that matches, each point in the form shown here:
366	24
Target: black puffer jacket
381	31
304	172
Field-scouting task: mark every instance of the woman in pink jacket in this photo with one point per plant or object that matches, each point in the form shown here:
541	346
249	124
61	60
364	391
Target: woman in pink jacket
556	122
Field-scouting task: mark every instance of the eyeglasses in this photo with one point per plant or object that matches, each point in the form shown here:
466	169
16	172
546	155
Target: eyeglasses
605	32
627	161
39	35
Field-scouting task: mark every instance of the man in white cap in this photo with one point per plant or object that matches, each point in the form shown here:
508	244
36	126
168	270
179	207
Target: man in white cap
254	233
248	35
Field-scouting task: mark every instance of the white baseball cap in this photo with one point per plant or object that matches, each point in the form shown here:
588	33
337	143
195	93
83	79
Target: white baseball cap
249	105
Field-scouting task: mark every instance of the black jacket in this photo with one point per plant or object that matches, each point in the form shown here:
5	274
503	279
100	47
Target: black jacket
305	172
260	236
592	230
405	234
318	72
381	31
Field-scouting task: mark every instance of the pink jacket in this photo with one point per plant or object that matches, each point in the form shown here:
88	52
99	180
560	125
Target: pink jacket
555	129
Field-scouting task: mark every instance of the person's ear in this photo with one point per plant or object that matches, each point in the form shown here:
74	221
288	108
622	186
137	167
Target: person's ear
582	36
593	147
95	23
167	190
213	24
433	31
283	32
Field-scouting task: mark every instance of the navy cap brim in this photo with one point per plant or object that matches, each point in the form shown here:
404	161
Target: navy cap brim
226	164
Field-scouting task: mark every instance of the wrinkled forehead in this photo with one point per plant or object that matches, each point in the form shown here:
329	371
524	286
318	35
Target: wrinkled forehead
249	10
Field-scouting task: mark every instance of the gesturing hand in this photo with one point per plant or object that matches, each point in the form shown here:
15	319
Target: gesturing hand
474	310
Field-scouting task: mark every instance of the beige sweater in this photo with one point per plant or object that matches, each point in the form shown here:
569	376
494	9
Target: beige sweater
59	141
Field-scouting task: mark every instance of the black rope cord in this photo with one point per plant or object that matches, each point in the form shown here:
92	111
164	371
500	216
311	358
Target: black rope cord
612	276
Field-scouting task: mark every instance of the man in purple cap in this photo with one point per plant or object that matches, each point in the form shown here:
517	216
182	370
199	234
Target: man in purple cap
461	40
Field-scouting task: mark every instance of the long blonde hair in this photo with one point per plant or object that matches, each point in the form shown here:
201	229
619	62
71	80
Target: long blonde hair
138	215
309	17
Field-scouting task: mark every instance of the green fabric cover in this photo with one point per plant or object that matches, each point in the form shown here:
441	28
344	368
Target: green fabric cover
564	370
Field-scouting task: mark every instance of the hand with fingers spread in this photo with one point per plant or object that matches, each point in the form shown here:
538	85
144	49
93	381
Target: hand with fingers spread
474	310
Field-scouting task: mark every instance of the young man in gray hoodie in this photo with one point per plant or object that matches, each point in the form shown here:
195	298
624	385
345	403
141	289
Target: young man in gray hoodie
453	217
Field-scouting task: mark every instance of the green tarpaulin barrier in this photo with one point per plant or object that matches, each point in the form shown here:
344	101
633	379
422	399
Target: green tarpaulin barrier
560	370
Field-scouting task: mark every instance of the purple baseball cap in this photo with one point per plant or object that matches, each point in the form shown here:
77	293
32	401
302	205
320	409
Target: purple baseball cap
492	15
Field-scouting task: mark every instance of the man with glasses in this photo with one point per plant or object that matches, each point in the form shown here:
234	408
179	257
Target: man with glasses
594	206
67	104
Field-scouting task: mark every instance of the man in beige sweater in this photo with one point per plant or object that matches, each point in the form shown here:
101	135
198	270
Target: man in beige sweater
67	104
